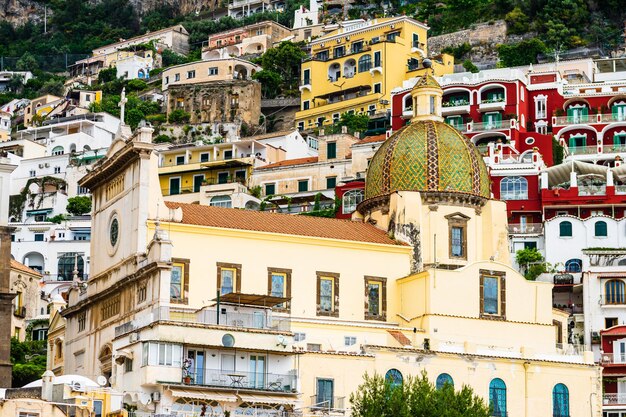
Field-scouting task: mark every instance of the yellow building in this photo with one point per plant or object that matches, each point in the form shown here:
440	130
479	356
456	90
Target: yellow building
355	68
193	308
40	107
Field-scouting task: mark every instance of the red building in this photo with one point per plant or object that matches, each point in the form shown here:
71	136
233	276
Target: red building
613	360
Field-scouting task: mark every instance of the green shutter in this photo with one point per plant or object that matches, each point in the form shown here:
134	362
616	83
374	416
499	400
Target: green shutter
331	150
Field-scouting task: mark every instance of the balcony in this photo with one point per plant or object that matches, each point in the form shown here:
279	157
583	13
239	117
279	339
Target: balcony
455	107
493	104
591	190
305	84
243	380
526	229
582	150
613	148
614	399
484	126
617	301
613	359
255	318
19	312
321	402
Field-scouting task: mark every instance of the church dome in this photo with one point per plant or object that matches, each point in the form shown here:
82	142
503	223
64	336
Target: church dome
427	156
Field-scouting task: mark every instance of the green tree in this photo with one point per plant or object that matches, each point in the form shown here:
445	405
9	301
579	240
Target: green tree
354	122
107	75
54	87
416	396
531	263
521	53
178	116
27	62
557	152
78	205
517	22
172	58
270	83
470	67
285	60
29	361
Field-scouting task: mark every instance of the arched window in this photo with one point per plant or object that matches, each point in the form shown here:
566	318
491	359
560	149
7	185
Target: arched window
565	229
394	377
614	292
442	380
408	103
351	199
574	265
365	63
66	264
58	150
221	201
497	397
560	401
601	229
514	188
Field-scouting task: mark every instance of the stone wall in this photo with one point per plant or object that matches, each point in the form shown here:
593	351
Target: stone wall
483	37
236	101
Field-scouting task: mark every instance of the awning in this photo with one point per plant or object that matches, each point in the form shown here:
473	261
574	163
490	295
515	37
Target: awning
560	174
252	299
266	399
205	395
36	212
235	162
357	89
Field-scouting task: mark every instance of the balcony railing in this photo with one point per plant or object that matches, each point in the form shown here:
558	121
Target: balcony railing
255	320
485	126
322	402
613	148
613	359
586	190
528	228
618	301
243	380
614	399
19	312
591	118
582	150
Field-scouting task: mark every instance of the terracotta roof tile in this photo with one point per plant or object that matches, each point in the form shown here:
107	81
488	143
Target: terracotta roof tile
269	135
21	267
372	139
400	337
281	223
291	162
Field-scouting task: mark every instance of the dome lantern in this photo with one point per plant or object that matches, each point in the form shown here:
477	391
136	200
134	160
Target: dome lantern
427	97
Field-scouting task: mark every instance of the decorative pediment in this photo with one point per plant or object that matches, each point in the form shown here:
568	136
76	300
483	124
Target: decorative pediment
458	216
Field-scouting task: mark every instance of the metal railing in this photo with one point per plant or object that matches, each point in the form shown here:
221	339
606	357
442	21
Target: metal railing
322	402
242	380
485	126
257	320
613	358
616	300
586	190
614	399
613	148
19	312
528	228
582	150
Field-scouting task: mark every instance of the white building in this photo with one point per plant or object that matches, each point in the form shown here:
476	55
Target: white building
6	76
135	66
304	17
51	159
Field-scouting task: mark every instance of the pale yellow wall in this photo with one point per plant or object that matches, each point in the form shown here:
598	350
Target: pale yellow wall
286	178
29	405
226	71
304	256
536	382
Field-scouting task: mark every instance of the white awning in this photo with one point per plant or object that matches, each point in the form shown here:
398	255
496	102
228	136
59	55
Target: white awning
205	395
267	399
560	174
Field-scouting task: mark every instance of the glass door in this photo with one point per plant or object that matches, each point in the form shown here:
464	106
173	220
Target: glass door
257	371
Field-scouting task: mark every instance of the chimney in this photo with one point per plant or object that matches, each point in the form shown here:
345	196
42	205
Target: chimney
6	298
47	382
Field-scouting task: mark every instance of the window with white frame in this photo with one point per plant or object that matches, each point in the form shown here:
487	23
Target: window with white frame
299	337
541	105
221	201
514	188
351	199
349	340
541	127
163	354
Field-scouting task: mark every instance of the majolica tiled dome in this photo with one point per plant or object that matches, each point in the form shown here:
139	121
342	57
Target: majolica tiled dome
427	155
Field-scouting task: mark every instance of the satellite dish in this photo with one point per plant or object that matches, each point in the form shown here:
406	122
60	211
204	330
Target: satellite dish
101	380
281	341
77	386
144	398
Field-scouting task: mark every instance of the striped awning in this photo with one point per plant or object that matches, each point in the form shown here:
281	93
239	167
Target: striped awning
266	399
560	174
205	395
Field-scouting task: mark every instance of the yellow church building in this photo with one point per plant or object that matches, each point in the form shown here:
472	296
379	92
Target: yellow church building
193	309
354	69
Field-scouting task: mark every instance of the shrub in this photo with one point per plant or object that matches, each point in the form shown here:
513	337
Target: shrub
178	116
162	139
78	205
